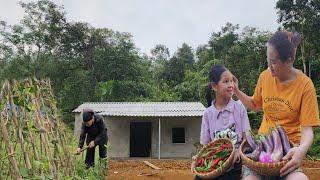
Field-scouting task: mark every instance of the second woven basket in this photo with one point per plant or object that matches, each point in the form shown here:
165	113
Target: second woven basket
268	169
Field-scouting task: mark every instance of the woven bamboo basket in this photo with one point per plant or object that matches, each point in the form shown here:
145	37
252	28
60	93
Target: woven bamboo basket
219	171
268	169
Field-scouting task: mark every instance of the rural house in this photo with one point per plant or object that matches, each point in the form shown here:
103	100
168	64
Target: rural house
148	129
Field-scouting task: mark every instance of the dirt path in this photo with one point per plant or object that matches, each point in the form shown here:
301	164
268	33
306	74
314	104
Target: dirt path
135	169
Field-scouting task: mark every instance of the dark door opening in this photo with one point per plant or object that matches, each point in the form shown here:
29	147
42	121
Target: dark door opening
140	139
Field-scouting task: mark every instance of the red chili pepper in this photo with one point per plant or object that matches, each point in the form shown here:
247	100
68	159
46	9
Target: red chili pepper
216	161
212	168
200	162
226	145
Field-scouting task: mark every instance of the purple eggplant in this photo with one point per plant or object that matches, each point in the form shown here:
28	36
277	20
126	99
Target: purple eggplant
250	139
284	139
270	140
277	152
266	145
256	153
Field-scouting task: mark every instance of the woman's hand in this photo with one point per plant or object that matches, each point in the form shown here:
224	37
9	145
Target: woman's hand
295	157
236	84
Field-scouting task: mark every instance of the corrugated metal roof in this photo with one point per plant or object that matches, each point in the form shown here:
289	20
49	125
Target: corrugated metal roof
154	109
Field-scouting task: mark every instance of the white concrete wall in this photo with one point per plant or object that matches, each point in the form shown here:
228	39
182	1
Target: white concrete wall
192	127
77	124
119	135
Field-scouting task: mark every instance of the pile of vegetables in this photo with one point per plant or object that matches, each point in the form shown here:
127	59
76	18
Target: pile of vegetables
213	157
268	148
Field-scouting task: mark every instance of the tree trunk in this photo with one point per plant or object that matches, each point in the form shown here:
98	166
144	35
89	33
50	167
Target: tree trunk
303	58
312	55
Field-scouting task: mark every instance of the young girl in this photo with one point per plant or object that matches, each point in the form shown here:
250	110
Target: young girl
225	117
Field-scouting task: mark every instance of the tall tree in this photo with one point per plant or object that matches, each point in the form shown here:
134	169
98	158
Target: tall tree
223	40
43	26
246	59
303	16
181	61
160	53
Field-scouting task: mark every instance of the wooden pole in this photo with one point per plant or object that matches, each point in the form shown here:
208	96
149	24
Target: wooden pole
159	145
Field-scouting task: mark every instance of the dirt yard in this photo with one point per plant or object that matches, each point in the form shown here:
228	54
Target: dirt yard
136	169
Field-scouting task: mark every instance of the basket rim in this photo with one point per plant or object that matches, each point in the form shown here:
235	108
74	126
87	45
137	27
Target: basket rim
223	167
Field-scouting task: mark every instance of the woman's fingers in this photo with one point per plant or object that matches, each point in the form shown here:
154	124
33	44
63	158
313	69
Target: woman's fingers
289	167
288	155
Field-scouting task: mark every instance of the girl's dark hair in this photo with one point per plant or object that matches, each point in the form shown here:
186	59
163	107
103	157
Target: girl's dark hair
286	44
214	77
209	95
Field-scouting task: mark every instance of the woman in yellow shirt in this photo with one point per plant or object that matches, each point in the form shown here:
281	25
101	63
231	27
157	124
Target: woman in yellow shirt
287	98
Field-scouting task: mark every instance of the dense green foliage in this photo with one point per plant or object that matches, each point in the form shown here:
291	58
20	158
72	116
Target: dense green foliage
99	64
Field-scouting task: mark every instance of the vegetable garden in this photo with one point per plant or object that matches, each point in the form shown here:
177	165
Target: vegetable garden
34	142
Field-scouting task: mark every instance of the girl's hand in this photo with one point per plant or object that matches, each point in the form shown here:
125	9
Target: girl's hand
193	163
296	155
236	158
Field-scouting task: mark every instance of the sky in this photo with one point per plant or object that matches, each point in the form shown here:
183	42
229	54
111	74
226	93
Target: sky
167	22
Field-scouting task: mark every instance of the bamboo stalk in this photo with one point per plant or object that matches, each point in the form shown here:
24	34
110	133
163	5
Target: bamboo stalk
50	157
18	127
9	148
39	123
35	151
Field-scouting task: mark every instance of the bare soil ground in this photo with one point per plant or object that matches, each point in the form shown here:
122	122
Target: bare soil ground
177	169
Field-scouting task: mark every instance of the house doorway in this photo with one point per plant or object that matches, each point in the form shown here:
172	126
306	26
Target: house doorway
140	139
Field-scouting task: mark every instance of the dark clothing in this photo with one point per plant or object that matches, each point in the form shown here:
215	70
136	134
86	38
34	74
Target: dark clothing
90	154
234	174
97	132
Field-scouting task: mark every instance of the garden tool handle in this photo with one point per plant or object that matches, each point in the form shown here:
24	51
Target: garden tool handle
83	149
